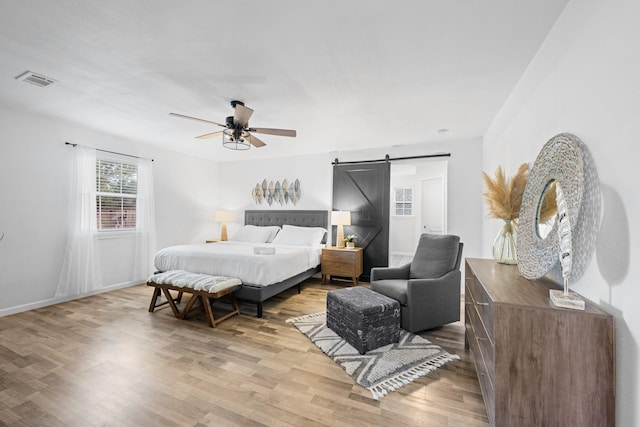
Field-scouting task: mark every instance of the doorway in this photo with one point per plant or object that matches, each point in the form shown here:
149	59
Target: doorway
418	205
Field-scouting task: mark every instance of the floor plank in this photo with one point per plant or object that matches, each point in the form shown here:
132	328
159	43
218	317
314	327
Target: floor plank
105	360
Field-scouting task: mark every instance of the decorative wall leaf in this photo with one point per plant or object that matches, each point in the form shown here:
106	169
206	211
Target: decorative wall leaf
279	192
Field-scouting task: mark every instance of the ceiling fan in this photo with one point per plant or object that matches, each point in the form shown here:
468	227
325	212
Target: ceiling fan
237	134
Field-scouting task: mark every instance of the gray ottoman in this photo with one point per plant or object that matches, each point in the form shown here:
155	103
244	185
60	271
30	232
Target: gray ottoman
364	318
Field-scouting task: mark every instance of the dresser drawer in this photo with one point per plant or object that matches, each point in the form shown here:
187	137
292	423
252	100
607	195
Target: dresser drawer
482	303
483	343
484	377
340	256
337	268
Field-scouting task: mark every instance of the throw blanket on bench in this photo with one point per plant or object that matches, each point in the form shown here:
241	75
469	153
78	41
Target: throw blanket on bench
196	281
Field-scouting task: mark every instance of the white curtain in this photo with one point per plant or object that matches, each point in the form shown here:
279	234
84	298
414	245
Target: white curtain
145	240
81	267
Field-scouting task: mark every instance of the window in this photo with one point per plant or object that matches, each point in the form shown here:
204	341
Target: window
117	190
403	201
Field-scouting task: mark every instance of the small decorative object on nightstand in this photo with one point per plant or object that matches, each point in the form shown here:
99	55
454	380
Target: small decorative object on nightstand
350	241
343	263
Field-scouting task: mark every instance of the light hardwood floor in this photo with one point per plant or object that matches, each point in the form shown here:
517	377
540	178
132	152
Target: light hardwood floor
106	361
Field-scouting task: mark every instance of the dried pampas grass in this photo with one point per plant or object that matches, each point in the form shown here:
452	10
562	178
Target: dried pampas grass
503	196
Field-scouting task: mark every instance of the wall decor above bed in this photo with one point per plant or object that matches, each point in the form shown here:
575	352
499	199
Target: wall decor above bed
284	192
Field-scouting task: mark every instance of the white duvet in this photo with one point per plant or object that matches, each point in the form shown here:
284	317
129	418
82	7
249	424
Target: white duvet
237	259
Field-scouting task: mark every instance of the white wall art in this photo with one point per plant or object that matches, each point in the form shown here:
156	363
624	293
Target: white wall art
282	193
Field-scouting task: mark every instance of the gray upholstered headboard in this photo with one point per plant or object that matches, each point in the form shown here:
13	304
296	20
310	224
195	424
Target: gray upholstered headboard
279	217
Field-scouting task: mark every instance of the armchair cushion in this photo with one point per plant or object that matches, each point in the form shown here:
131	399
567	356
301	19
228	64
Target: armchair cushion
435	256
393	288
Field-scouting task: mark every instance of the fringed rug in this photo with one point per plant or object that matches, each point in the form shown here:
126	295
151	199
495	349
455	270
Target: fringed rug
381	370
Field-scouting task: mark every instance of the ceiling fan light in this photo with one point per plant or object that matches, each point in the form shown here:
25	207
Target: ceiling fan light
230	141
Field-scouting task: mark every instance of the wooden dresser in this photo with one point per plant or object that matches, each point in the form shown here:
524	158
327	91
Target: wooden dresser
538	365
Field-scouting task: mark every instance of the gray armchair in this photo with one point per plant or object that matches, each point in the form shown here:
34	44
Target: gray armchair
427	288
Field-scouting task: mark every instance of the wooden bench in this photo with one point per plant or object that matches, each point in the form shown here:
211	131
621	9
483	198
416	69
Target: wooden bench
202	287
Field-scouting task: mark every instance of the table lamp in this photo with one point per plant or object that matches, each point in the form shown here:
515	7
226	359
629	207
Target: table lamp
340	218
223	217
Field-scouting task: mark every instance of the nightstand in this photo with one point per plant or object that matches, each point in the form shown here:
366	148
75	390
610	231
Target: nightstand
341	262
212	241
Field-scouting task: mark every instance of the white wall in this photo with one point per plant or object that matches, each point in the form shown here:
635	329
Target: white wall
238	178
585	80
35	179
316	177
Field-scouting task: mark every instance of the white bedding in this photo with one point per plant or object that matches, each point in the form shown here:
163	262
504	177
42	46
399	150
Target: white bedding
237	259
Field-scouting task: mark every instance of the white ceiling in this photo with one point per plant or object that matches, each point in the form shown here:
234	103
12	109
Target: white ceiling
346	74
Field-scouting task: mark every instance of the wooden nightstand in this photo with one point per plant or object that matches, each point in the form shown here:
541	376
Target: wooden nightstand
212	241
341	262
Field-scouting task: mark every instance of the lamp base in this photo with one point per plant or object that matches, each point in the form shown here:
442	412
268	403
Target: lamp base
568	300
340	237
223	233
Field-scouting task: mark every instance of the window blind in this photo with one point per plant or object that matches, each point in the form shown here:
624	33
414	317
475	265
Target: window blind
117	190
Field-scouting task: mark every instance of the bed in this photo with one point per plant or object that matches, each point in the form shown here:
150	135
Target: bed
265	269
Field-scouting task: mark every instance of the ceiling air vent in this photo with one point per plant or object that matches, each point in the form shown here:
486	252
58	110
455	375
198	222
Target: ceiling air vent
35	79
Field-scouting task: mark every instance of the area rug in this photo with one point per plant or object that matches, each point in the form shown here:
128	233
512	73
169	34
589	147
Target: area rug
381	370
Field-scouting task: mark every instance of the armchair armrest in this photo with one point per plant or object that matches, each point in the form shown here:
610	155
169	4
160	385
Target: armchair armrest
447	286
432	302
385	273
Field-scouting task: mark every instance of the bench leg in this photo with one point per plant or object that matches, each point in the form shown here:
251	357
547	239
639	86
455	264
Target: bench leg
171	302
189	306
156	294
154	299
207	302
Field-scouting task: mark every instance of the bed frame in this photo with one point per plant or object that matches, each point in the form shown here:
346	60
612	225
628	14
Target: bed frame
259	294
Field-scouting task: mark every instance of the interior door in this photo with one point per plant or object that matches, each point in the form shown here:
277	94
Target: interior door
433	206
364	189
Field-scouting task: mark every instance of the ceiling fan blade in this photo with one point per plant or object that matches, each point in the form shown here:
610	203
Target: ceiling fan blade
196	119
268	131
242	115
210	135
255	141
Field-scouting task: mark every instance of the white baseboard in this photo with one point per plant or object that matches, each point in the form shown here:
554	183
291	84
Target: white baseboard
52	301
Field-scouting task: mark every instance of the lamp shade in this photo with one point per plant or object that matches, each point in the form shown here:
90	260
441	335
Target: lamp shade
223	216
341	218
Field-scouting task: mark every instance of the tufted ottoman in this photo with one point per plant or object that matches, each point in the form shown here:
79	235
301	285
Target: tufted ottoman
364	318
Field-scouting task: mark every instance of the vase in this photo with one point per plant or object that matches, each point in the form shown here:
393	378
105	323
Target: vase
350	245
506	243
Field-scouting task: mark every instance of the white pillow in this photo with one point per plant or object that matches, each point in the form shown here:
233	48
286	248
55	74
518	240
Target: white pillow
252	234
274	230
301	236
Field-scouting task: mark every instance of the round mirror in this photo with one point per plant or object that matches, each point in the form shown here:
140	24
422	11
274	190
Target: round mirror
564	161
547	209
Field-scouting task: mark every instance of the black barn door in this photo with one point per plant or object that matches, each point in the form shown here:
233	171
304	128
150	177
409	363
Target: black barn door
364	190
